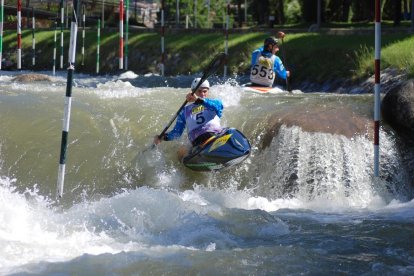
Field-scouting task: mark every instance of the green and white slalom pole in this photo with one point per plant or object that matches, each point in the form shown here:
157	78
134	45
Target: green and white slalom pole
1	31
98	38
126	33
33	39
54	50
68	100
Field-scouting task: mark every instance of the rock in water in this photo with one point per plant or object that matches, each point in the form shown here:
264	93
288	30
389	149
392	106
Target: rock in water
31	77
397	109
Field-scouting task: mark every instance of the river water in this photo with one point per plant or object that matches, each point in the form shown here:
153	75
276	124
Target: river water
304	202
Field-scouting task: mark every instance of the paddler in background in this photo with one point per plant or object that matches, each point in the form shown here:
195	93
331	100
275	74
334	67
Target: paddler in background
201	117
265	62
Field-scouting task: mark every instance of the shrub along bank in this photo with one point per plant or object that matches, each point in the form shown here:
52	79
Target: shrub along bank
311	57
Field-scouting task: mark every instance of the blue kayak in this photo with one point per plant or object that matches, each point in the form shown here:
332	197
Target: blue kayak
227	149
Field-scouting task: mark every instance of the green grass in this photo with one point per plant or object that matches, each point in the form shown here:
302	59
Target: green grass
400	55
310	56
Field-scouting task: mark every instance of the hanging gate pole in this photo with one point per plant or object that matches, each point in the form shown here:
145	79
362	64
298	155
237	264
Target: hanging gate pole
121	34
126	33
226	40
83	34
1	30
33	38
19	34
162	39
377	87
62	21
98	42
68	100
54	49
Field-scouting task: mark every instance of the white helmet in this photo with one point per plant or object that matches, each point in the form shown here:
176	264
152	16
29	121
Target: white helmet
205	84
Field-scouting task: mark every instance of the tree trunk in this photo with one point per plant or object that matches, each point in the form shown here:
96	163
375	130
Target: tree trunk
405	8
260	11
280	12
397	12
345	10
412	15
239	13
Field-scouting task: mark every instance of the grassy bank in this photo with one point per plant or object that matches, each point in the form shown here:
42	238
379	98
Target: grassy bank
310	57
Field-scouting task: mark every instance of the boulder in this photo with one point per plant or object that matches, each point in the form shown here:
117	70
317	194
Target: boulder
339	120
31	78
397	109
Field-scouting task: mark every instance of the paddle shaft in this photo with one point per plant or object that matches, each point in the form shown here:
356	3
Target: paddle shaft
284	60
213	66
203	78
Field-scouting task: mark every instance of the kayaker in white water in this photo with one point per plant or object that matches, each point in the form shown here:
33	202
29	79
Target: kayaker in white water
265	63
201	118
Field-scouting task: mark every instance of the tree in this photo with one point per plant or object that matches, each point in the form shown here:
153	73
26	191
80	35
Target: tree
412	15
338	10
397	12
279	12
363	10
259	10
310	10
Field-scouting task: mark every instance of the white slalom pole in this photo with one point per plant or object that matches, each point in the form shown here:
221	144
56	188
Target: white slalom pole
98	42
1	30
62	21
162	38
33	39
121	34
226	41
377	86
54	49
126	33
68	101
83	34
19	34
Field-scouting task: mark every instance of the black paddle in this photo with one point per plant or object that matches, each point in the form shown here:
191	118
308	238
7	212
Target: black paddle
214	65
284	60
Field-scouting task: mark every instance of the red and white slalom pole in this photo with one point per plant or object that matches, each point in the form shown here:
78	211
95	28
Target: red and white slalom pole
19	34
377	87
121	34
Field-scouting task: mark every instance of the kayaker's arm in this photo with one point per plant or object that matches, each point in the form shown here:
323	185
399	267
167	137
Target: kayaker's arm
279	68
215	104
175	133
178	128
